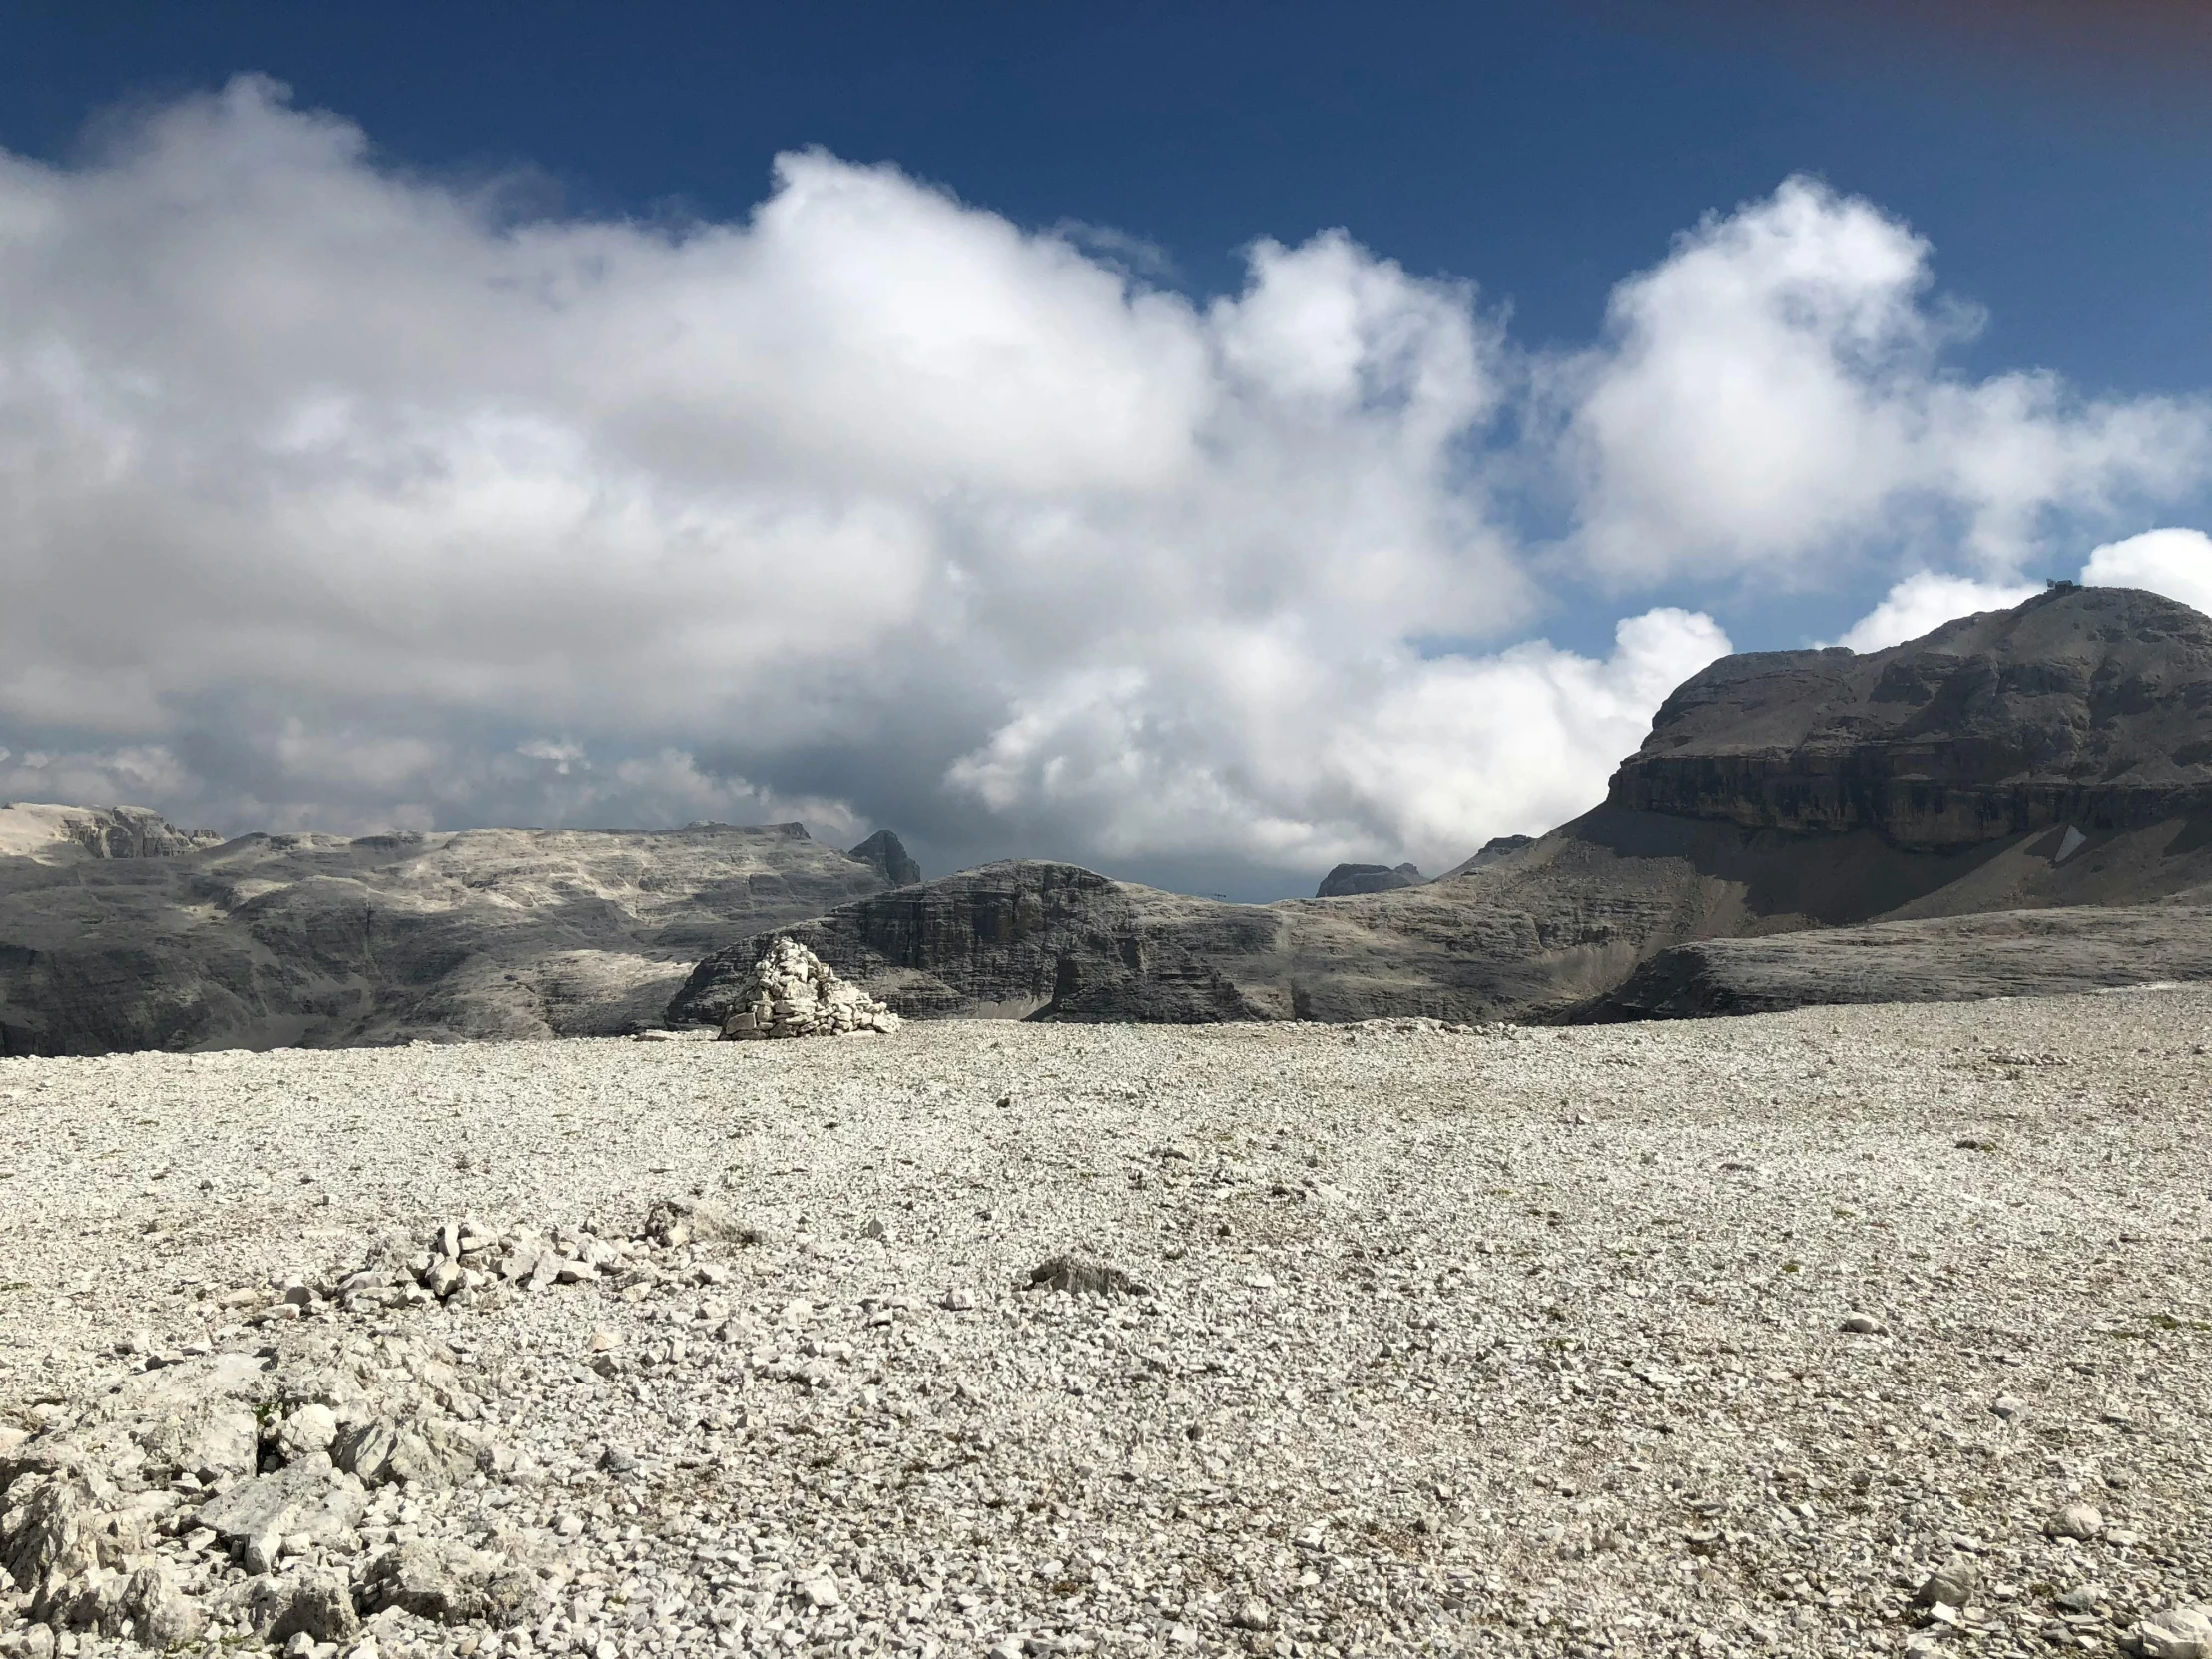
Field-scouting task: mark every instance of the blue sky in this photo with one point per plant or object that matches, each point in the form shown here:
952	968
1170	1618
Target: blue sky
2005	217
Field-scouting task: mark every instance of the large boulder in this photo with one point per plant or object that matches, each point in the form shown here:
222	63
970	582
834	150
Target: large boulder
790	992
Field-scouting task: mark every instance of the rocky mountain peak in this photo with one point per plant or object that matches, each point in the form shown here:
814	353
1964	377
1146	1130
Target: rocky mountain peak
2085	706
1347	881
888	855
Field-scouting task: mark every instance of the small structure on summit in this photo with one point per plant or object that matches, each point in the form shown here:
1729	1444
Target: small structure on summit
792	992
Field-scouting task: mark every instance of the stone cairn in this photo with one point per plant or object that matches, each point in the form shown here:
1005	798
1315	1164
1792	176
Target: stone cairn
792	992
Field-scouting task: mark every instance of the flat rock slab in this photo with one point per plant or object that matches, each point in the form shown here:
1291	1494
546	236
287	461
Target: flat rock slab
312	1499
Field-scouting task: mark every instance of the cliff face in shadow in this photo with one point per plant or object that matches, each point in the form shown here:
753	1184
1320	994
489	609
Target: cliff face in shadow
319	940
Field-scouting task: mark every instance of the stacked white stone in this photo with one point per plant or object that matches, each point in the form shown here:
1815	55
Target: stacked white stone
792	992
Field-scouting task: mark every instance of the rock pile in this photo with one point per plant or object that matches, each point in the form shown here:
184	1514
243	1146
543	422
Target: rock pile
233	1495
469	1263
792	992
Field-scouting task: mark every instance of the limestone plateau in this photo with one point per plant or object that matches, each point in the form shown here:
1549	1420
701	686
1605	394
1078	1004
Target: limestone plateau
118	931
2054	758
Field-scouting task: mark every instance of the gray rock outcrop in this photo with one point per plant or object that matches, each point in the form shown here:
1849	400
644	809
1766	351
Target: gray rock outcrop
315	940
1348	880
1944	959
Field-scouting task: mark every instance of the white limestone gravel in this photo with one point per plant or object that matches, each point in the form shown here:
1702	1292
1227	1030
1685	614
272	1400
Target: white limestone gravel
1511	1341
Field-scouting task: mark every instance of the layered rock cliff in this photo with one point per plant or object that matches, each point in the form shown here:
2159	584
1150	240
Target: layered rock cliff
50	834
2085	706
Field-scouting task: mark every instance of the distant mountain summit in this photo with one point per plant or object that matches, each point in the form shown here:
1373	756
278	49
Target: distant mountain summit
2089	706
1347	881
887	854
53	833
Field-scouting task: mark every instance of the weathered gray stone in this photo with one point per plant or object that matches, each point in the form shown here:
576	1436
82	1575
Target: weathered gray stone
367	1450
2075	1520
153	1611
309	1601
50	1539
1951	1585
450	1584
310	1430
2182	1631
675	1222
312	1498
1080	1277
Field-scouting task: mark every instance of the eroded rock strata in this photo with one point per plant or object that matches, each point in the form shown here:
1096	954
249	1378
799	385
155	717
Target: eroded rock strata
2089	706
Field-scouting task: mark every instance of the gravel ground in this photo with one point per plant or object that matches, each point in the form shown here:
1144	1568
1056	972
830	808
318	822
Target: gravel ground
1493	1342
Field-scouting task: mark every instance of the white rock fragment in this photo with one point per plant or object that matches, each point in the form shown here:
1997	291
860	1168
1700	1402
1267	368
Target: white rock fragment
2182	1631
2075	1520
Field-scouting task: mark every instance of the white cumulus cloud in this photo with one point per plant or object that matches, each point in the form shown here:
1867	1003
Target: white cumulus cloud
2174	562
1924	601
342	497
1772	397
